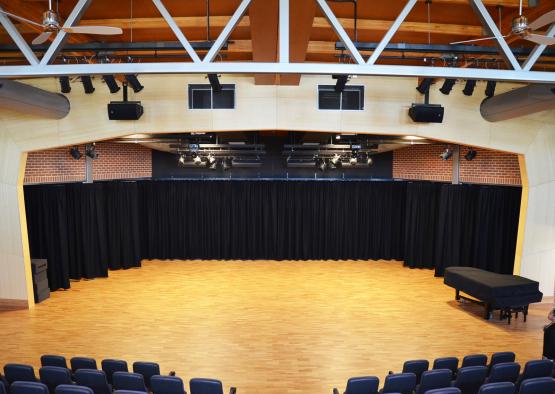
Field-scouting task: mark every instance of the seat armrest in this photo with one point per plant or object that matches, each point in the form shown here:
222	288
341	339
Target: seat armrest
335	391
232	390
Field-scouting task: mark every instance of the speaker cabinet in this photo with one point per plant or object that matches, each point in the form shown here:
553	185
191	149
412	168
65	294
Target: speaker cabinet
125	110
426	113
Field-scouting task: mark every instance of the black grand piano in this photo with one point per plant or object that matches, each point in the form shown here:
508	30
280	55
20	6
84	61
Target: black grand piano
508	293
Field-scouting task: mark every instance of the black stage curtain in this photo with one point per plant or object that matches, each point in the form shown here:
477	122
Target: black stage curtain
86	229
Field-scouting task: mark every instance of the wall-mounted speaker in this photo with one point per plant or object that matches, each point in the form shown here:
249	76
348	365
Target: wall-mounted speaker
125	110
426	113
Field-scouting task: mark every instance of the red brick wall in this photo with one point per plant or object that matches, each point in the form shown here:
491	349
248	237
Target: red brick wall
423	162
115	161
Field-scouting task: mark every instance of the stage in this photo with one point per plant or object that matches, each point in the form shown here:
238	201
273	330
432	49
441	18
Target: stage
265	326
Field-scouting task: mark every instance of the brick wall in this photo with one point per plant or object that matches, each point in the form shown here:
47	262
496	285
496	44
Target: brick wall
115	161
423	162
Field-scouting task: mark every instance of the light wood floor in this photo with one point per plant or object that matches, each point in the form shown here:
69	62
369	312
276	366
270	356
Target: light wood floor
265	326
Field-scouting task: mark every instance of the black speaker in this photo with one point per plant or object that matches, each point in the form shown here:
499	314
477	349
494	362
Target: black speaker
125	110
427	113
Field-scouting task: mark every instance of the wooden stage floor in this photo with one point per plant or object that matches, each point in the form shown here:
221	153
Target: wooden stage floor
265	326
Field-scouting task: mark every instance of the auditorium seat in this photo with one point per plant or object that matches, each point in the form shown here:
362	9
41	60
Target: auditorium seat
535	369
128	392
474	360
504	372
82	363
501	357
28	388
434	379
49	360
469	379
129	381
147	369
416	367
208	386
110	366
403	383
94	379
451	363
20	373
52	377
166	385
73	389
3	389
538	386
361	385
497	388
446	390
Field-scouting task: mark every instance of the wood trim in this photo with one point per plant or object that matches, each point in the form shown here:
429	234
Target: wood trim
12	305
30	303
522	218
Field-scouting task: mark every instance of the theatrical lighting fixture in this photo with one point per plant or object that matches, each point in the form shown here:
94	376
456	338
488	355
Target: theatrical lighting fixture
111	83
353	159
490	88
226	164
90	151
211	162
134	82
470	155
87	84
469	87
64	84
321	164
424	85
197	159
341	82
369	161
446	154
74	152
335	160
447	86
181	160
215	82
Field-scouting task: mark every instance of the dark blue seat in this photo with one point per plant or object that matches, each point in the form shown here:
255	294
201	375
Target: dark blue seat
403	383
94	379
19	373
147	369
536	369
129	381
52	377
208	386
28	388
361	385
474	360
504	372
82	363
73	389
434	379
497	388
416	367
446	390
3	389
166	385
542	385
469	379
501	357
50	360
110	366
451	363
128	392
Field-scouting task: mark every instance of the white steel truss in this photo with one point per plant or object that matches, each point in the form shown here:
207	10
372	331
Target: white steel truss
208	65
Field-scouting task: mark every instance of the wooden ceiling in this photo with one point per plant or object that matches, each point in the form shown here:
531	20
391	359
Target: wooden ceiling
256	36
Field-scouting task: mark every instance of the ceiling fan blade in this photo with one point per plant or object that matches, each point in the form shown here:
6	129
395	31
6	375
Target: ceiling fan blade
103	30
540	39
475	40
41	38
543	20
22	19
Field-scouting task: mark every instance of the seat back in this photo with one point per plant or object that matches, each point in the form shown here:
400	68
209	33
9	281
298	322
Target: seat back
3	388
537	369
129	381
166	385
416	367
82	363
147	369
497	388
434	379
110	366
502	357
446	390
469	379
474	360
52	377
28	388
451	363
73	389
403	383
363	385
538	386
206	386
128	392
19	373
50	360
504	372
94	379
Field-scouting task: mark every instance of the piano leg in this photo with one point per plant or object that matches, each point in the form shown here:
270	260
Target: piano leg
525	312
457	295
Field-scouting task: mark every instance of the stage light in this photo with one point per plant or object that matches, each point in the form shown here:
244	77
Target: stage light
134	82
341	82
87	84
470	155
197	159
469	87
181	160
335	160
215	82
424	85
354	158
321	164
447	86
90	151
369	161
211	162
446	154
64	84
490	88
74	152
226	164
111	83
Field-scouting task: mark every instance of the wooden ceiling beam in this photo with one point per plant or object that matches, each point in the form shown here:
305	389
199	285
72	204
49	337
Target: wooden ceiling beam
264	35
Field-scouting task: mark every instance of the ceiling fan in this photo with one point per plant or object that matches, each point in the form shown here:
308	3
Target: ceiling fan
521	28
51	24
